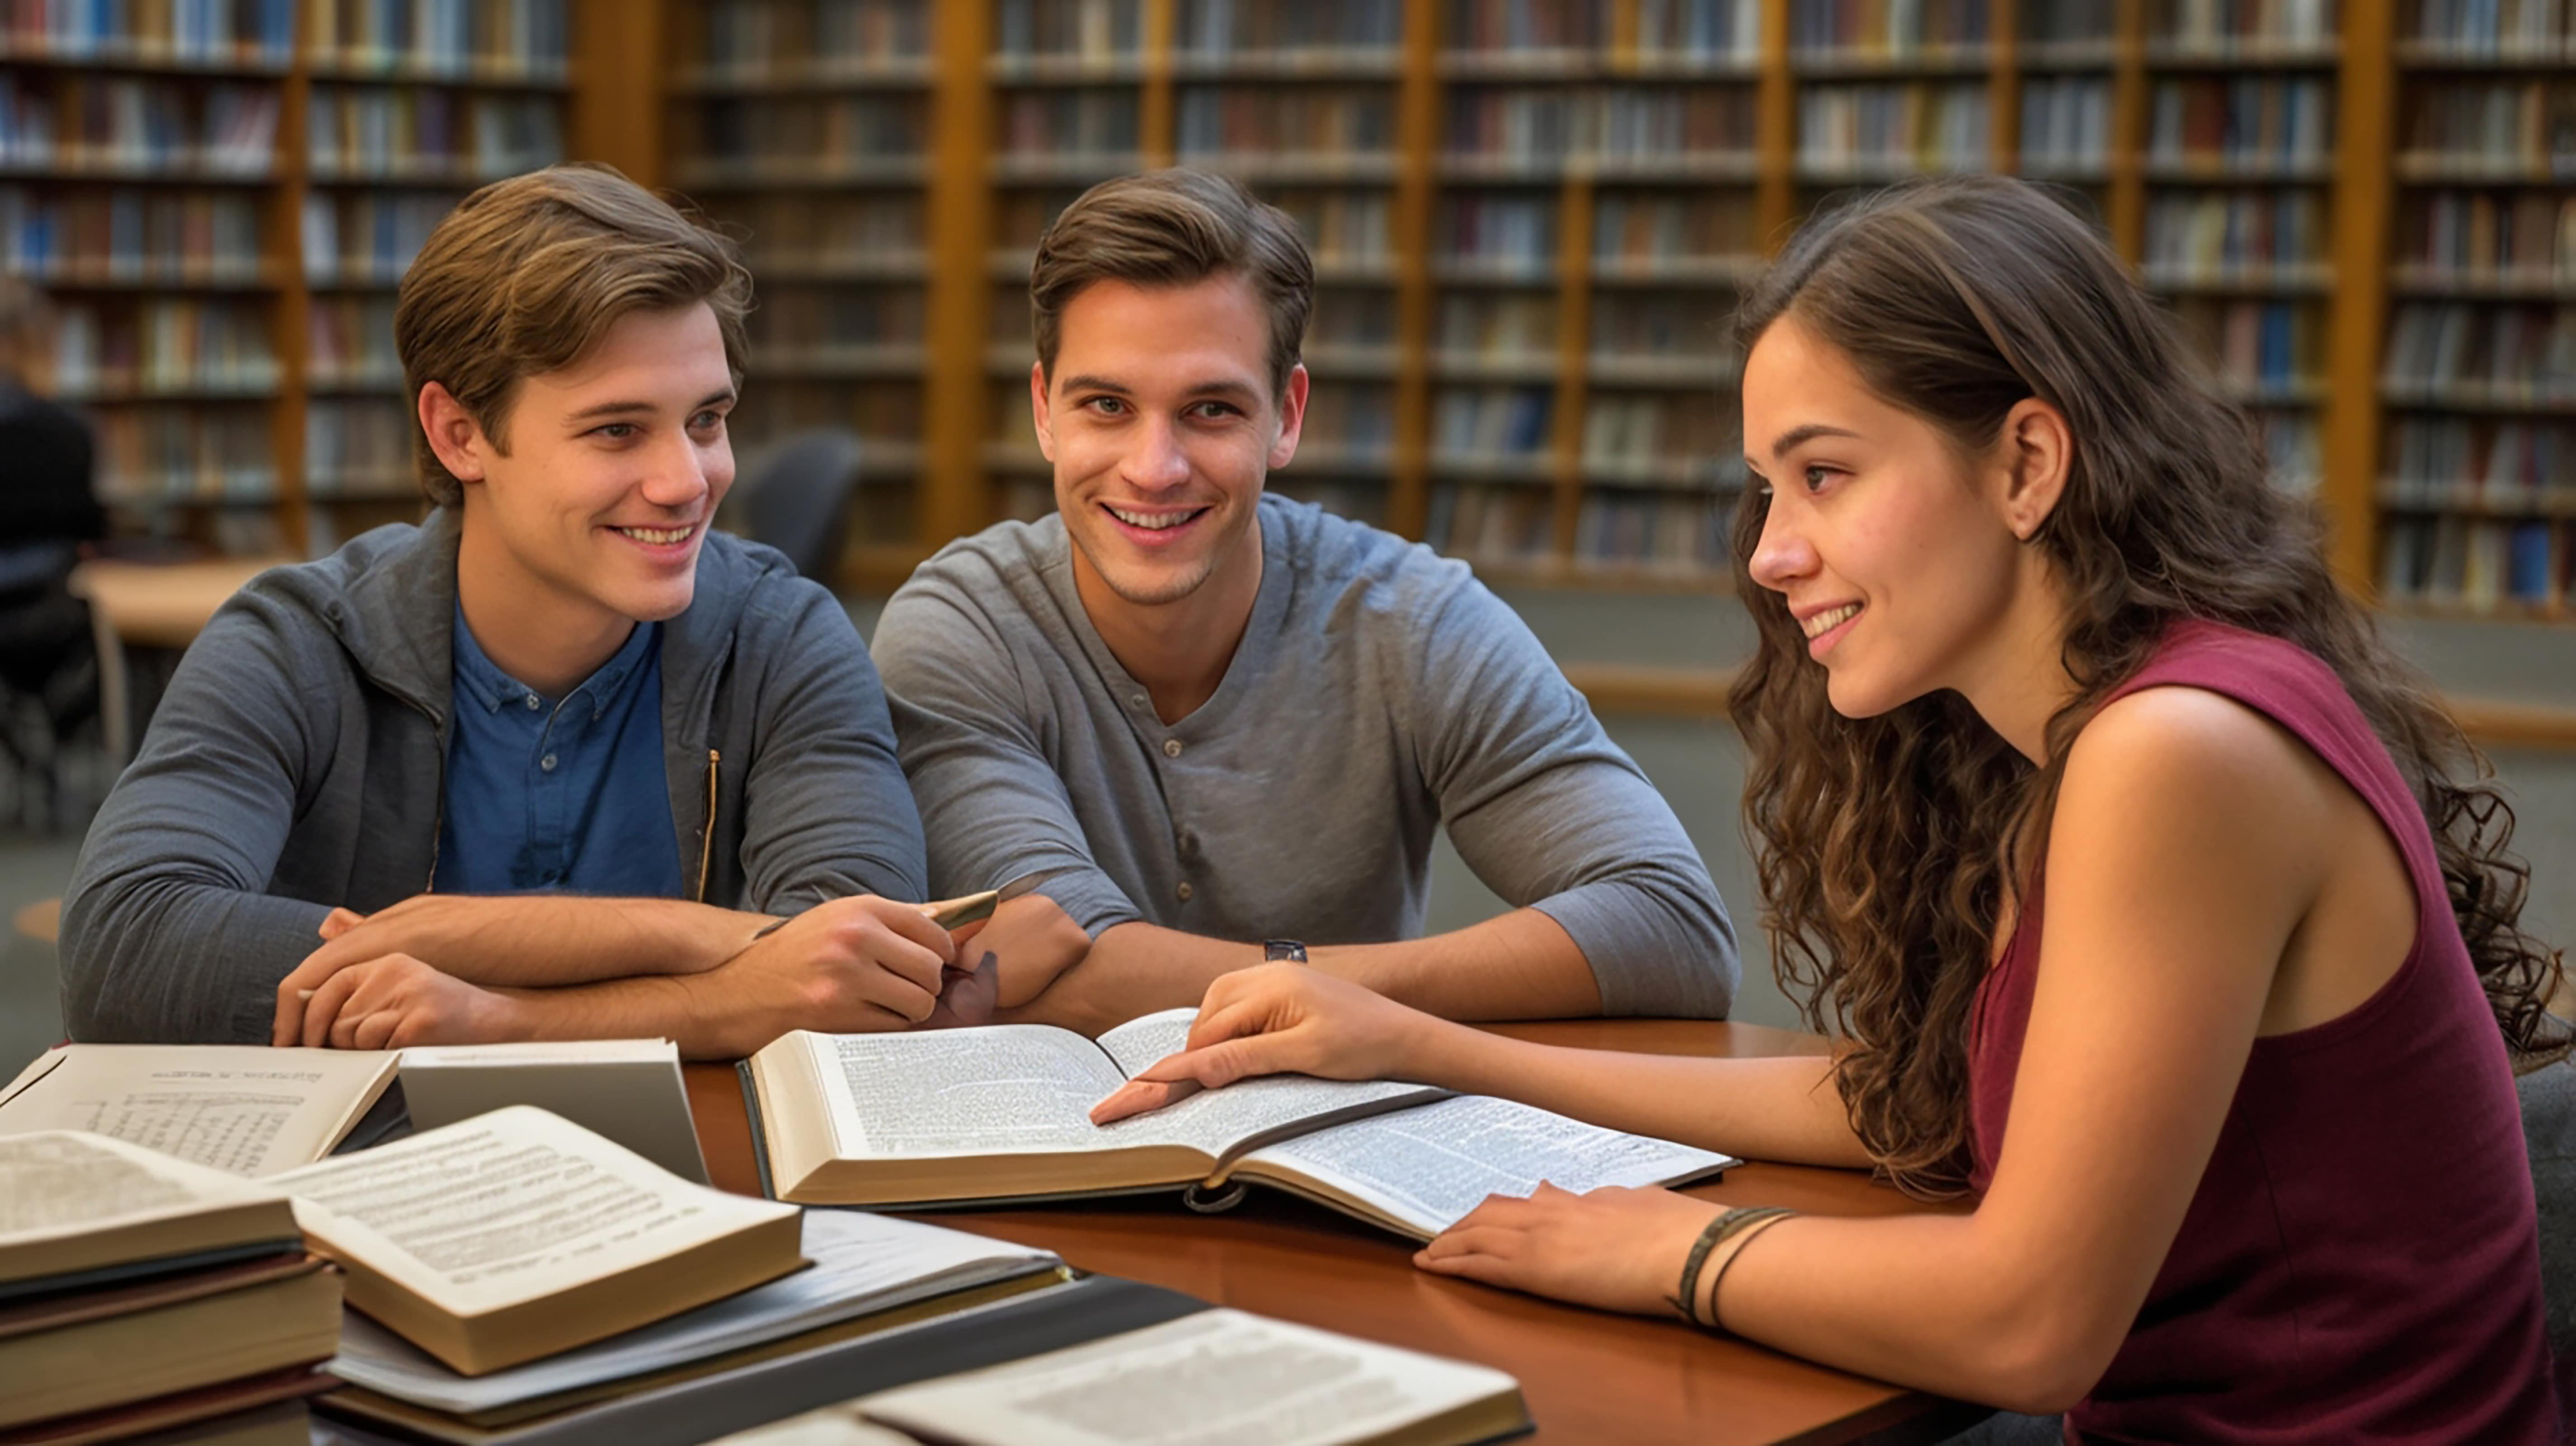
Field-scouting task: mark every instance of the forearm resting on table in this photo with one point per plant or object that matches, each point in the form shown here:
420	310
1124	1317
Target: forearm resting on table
1520	965
549	940
1784	1109
690	1010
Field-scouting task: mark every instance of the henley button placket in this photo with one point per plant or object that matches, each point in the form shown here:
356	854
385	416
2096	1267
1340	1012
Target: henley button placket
1171	748
1184	891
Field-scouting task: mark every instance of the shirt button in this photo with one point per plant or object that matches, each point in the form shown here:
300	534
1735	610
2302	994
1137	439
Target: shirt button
547	763
533	702
1138	701
1171	748
1184	891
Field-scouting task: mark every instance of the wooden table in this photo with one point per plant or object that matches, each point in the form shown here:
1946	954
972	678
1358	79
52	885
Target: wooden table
150	605
1587	1375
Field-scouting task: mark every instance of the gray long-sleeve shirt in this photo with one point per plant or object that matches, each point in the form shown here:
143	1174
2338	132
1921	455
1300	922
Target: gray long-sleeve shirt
1378	693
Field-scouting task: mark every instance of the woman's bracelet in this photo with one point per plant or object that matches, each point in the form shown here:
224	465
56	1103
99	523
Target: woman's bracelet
1747	1233
1727	1223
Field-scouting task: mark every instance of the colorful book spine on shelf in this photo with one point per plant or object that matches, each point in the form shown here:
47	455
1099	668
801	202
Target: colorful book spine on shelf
1340	122
2221	235
1346	229
1072	123
1651	235
418	134
163	348
1652	531
1701	31
1492	423
1526	25
2068	29
367	239
359	447
118	124
514	38
2480	565
2472	238
2465	355
149	455
1503	233
2496	29
2065	124
2504	129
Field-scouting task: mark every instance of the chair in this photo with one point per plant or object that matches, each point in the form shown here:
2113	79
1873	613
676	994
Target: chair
795	496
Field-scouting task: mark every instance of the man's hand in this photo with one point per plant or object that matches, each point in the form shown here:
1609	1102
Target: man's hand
1014	958
398	1001
857	965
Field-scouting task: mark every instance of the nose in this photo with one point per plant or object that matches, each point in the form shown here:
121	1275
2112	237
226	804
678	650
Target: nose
680	475
1155	459
1783	554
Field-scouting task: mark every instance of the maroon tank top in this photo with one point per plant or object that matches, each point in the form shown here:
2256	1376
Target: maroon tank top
2360	1262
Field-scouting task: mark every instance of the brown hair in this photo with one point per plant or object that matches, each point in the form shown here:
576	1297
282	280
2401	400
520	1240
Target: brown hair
526	275
1887	846
1175	228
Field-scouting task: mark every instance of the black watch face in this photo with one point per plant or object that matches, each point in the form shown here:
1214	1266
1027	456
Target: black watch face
1288	949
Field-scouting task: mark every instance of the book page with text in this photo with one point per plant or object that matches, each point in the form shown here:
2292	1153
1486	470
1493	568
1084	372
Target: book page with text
64	1185
1429	1166
1245	1112
1217	1375
242	1109
999	1089
508	1207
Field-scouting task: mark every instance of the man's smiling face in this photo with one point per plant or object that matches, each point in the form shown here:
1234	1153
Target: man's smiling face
1162	423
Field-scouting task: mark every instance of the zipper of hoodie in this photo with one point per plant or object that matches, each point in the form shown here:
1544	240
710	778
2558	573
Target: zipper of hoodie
707	835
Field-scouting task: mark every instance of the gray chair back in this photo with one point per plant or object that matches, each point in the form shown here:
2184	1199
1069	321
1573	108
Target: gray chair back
795	496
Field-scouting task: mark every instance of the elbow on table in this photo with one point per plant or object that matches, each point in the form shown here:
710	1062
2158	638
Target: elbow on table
2039	1358
115	986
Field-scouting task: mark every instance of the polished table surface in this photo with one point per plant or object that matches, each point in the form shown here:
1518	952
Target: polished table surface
1587	1375
163	605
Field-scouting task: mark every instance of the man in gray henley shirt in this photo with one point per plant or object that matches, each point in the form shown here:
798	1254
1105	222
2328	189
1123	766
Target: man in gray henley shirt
1225	725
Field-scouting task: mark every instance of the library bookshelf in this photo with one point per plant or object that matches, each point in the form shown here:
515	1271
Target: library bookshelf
1531	218
221	197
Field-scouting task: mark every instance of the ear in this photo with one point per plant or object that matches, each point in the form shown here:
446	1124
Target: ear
2036	452
1292	417
453	434
1038	410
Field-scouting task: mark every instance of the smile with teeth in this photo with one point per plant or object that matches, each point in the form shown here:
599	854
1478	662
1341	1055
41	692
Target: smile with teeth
659	536
1830	619
1154	521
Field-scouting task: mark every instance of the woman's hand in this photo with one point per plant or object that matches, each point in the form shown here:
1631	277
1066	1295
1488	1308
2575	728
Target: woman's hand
1615	1248
1277	1019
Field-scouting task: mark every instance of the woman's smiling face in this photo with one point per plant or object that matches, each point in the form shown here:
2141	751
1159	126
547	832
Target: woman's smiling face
1897	556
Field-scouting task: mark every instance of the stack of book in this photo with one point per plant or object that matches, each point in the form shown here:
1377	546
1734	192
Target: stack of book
139	1293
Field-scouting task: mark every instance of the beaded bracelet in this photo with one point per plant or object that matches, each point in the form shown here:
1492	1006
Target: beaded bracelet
1727	1223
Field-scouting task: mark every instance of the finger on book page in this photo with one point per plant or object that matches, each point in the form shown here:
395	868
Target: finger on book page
1141	1095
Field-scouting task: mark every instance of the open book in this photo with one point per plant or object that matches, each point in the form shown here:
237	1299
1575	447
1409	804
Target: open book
242	1109
1002	1113
80	1211
1218	1375
518	1234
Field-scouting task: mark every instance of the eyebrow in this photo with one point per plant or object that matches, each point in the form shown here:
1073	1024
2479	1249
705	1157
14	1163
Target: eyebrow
604	411
1797	437
1214	387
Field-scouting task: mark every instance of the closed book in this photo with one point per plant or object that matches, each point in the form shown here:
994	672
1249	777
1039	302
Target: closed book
63	1355
79	1210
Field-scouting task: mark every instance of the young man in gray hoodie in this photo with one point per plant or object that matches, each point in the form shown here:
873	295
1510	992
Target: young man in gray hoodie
552	763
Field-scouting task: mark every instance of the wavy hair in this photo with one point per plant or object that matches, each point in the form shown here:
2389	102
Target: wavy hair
1887	846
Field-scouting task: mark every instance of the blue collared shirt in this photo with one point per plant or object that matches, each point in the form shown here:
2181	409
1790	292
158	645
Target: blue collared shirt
561	795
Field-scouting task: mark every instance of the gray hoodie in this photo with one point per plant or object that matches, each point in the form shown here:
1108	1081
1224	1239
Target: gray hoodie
298	762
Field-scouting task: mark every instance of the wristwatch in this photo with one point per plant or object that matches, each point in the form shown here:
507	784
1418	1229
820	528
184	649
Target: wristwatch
1288	949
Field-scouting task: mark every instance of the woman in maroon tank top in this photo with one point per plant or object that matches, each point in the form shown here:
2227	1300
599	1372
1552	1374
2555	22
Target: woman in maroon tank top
2157	907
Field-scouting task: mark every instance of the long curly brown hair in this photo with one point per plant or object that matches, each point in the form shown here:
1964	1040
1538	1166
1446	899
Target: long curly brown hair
1887	846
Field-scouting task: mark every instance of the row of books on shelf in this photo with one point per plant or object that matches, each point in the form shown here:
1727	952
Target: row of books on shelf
359	237
757	39
1645	436
2474	236
2492	127
2505	29
1492	421
1632	122
2242	122
1894	126
1346	120
366	132
1497	325
163	347
1076	122
2505	354
814	323
1343	228
2481	465
358	447
1889	27
1656	530
1335	27
1512	231
1646	231
1348	422
520	38
129	124
125	235
2235	233
181	32
1088	30
2065	123
2478	564
149	455
792	135
880	231
1562	25
2265	351
2254	27
351	342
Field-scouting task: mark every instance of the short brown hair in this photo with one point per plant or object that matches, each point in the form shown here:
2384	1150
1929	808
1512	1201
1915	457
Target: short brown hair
1175	228
526	276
